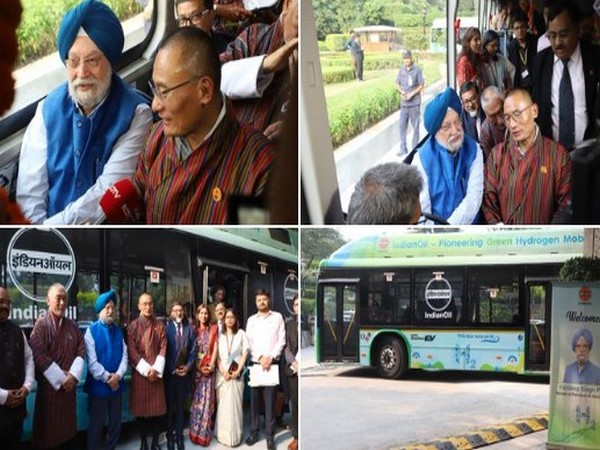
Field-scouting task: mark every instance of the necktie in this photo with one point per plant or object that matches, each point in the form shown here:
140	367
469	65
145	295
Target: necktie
179	336
566	109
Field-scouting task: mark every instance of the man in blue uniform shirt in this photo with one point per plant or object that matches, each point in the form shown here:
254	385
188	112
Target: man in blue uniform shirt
410	83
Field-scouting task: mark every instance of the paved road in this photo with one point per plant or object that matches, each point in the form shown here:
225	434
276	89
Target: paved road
130	440
351	408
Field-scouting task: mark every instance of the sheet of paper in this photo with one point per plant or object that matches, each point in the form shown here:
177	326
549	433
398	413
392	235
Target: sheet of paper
261	377
256	4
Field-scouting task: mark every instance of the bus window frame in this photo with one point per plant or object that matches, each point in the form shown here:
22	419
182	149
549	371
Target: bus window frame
130	66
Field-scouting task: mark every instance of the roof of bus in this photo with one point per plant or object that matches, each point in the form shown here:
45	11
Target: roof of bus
261	240
465	22
488	246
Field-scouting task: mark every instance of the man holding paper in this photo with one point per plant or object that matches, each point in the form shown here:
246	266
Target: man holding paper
266	335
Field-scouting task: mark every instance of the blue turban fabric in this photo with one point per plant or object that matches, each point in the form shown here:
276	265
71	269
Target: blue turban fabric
436	109
103	300
586	334
99	22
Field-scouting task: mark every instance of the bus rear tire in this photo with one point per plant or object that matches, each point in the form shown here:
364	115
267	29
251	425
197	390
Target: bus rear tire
391	358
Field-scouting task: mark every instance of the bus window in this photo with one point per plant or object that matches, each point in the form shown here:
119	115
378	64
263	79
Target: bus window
387	301
156	261
494	296
39	69
438	296
86	289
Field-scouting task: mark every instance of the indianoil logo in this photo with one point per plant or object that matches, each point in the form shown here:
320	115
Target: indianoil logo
37	258
384	243
585	295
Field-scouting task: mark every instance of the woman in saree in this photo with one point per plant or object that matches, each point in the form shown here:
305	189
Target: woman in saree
203	401
232	351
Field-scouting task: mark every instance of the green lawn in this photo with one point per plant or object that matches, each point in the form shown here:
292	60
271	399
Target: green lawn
343	95
354	106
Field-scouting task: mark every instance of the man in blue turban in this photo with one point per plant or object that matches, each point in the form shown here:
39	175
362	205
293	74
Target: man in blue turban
582	370
88	132
450	162
107	363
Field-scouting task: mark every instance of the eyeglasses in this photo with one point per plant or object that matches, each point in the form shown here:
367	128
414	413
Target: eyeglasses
516	115
456	124
194	19
562	35
161	94
471	100
92	63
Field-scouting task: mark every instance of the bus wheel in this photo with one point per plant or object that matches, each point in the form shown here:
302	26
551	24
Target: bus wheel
391	358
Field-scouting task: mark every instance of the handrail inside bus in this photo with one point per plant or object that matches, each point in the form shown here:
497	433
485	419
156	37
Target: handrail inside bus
349	327
332	330
537	332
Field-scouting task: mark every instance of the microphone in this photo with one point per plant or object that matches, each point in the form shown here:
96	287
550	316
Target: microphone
119	203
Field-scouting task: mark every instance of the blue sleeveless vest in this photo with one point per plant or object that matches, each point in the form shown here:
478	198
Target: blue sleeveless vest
109	351
79	146
447	175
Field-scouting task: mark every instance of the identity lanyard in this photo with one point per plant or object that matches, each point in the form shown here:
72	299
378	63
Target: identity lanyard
521	50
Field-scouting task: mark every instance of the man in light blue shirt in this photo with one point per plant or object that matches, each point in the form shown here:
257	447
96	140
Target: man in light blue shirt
410	83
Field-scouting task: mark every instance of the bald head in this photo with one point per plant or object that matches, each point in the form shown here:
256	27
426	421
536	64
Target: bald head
193	48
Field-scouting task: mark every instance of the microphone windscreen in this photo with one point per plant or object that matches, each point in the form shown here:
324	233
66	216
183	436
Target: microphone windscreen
120	201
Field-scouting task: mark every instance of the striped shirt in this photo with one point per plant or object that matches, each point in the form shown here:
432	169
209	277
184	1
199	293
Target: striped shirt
235	160
526	189
147	341
489	136
52	343
260	39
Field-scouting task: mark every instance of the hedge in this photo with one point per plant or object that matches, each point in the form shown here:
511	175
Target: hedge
336	42
337	67
40	21
337	74
374	106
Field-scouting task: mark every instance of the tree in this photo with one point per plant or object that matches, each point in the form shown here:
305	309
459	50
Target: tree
338	16
319	243
373	12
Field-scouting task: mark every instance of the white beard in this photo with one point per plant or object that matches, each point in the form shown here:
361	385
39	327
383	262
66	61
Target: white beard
88	100
454	143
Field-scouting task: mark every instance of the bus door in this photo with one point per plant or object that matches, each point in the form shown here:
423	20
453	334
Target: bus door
337	308
537	328
232	278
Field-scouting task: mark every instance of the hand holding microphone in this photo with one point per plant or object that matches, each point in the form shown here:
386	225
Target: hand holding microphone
119	203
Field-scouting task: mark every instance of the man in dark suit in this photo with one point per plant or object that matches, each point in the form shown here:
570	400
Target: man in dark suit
181	351
291	368
566	98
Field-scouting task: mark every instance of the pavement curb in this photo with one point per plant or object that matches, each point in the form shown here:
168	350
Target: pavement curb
485	436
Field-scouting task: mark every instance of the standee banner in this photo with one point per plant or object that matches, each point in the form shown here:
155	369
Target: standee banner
575	367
